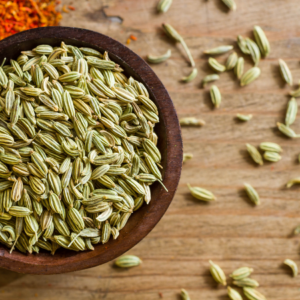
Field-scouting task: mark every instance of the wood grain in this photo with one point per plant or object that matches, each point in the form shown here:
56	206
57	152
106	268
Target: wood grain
231	232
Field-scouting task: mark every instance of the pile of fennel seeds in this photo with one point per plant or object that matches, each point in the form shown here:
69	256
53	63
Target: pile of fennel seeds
77	149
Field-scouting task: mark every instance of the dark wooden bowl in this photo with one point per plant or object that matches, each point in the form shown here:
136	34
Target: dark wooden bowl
170	145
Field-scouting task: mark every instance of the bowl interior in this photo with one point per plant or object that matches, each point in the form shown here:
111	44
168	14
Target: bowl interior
169	143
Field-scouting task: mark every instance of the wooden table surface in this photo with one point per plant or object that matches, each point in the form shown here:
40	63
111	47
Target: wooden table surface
230	231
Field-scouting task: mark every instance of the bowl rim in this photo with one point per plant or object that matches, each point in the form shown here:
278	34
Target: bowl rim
40	263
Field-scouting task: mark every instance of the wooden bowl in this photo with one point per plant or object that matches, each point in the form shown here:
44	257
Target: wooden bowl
170	145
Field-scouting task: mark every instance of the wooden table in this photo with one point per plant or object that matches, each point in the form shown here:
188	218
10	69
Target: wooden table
231	232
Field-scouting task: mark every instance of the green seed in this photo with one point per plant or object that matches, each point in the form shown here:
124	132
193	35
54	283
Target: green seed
256	156
69	77
250	76
218	50
233	294
253	294
191	122
244	118
217	273
215	96
231	61
230	4
172	33
215	65
210	78
159	59
252	193
254	51
241	273
201	194
292	182
20	212
164	5
128	261
273	147
272	156
190	77
291	112
246	282
292	265
261	40
285	72
287	130
184	295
